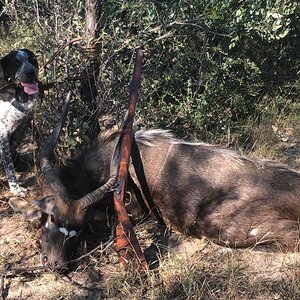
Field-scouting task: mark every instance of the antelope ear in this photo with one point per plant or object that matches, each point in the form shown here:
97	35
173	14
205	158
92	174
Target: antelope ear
32	211
29	211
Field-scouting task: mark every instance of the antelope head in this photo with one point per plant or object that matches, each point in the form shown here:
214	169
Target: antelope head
64	217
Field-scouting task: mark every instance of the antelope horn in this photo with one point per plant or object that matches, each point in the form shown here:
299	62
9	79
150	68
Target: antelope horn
59	192
99	193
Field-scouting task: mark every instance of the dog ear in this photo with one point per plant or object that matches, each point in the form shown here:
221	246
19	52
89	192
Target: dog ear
9	65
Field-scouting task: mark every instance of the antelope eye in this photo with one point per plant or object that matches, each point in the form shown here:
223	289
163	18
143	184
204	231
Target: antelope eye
45	259
52	219
44	239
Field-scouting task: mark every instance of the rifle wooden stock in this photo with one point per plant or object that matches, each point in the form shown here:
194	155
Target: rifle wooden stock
127	244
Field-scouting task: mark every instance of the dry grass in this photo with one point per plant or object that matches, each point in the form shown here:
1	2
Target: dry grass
211	273
277	137
187	269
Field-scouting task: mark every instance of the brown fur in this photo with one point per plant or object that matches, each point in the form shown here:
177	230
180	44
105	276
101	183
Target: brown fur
200	190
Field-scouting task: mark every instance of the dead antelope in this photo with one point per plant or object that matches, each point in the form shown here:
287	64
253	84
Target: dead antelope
199	189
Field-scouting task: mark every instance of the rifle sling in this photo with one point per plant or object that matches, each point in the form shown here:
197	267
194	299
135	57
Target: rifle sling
140	174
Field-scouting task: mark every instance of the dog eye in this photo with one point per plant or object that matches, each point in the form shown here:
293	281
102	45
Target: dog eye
33	59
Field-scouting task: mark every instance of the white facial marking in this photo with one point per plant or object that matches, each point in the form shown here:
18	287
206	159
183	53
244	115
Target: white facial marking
72	233
253	232
63	230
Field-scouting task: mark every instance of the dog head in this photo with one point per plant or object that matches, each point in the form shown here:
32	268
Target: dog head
21	66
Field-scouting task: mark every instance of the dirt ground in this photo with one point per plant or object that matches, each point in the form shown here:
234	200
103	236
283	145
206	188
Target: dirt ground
182	268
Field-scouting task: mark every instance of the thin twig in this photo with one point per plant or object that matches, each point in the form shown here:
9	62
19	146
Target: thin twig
73	283
109	243
188	23
49	85
156	30
15	271
58	51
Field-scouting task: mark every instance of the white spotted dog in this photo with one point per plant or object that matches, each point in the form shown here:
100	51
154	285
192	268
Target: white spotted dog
19	92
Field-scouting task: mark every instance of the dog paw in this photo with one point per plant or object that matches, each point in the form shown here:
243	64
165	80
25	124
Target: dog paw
19	191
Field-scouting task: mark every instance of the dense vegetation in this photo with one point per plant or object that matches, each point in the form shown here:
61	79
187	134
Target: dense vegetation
212	68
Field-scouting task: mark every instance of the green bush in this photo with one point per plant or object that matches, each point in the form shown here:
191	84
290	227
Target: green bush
209	66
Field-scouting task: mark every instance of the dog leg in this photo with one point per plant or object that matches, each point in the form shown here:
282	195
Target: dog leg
7	161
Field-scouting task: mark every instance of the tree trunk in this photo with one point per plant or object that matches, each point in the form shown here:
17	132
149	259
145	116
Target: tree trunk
92	19
88	88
